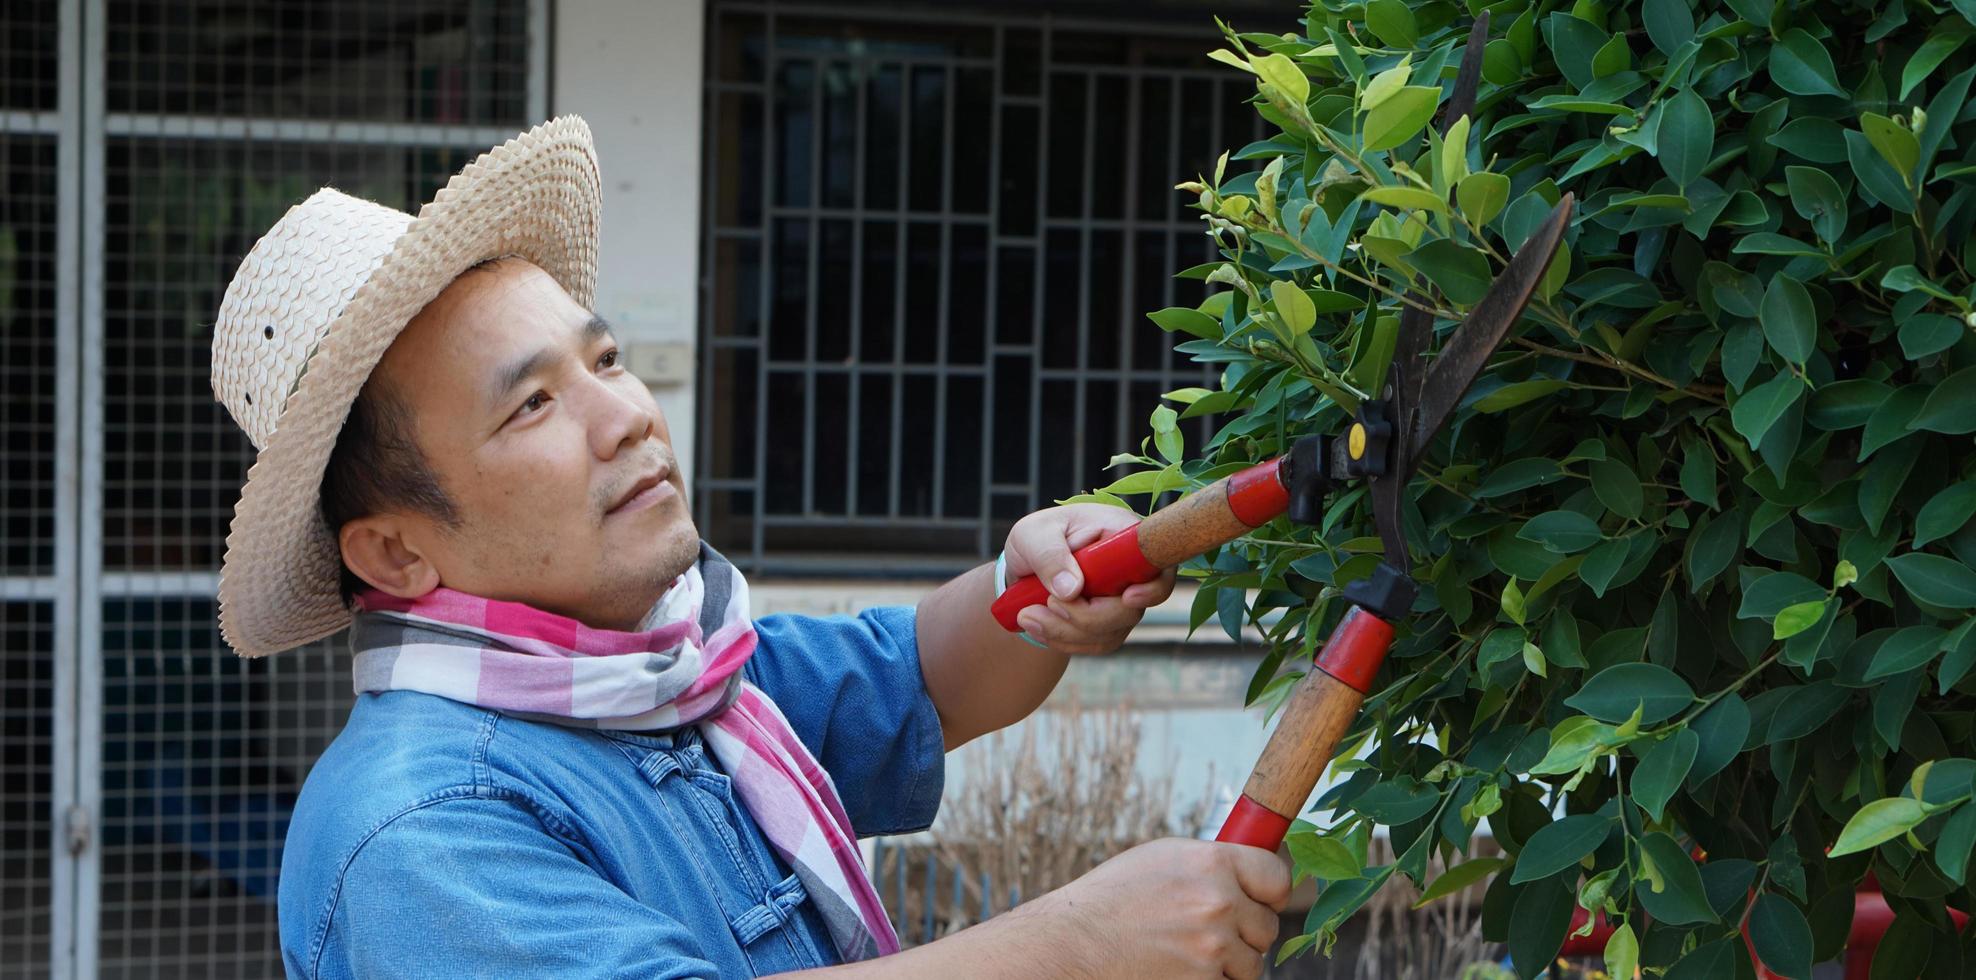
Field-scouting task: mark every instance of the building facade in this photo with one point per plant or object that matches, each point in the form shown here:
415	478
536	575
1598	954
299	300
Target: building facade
884	267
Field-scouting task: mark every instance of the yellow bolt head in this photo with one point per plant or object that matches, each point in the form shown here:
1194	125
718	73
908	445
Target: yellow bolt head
1355	442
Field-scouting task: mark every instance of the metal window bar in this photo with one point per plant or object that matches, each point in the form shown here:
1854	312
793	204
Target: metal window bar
135	124
901	406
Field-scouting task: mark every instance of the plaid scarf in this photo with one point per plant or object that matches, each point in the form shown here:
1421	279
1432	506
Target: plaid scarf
683	667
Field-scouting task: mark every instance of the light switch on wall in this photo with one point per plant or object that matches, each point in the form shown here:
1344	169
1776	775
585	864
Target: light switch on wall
661	364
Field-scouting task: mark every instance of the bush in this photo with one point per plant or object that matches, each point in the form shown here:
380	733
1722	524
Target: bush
1696	551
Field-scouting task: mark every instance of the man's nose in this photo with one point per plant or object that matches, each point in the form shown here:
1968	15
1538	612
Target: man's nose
617	421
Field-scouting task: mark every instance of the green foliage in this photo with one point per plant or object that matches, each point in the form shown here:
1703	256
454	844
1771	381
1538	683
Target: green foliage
1697	550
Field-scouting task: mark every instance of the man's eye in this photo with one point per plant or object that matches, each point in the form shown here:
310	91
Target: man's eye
609	360
535	402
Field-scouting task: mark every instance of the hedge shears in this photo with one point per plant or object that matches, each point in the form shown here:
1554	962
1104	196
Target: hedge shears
1382	446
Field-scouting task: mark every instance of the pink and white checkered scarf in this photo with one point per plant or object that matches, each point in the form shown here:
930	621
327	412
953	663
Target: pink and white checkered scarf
683	667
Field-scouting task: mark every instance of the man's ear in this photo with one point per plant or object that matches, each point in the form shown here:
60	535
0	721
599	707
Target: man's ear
377	550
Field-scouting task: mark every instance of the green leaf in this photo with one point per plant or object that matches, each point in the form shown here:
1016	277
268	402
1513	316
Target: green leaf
1662	770
1617	691
1376	355
1172	445
1672	891
1945	513
1929	333
1936	580
1721	728
1843	574
1845	404
1781	936
1622	949
1961	647
1698	475
1518	475
1795	619
1279	71
1895	143
1573	742
1883	479
1184	320
1612	58
1461	272
1617	487
1398	801
1457	878
1877	178
1602	564
1537	926
1482	196
1146	481
1573	42
1801	66
1560	845
1401	116
1953	844
1294	945
1392	22
1512	602
1889	422
1669	26
1932	53
1406	198
1907	649
1818	199
1760	407
1322	857
1789	323
1768	243
1517	393
1294	306
1501	64
1765	597
1950	408
1562	531
1533	660
1386	83
1815	139
1687	137
1714	546
1877	823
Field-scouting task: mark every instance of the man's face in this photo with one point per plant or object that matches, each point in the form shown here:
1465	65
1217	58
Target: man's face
557	459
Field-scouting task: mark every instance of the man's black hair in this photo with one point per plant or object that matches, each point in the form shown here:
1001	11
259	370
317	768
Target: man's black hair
376	466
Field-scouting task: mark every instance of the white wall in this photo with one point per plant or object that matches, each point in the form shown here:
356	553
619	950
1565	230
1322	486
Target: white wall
631	68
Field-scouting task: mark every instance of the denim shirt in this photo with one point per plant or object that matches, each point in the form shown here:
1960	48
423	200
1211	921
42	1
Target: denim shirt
434	838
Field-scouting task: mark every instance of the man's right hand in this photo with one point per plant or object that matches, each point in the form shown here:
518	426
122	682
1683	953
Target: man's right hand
1171	908
1175	908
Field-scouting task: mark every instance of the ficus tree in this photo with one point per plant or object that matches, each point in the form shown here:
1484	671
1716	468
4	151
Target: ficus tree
1694	642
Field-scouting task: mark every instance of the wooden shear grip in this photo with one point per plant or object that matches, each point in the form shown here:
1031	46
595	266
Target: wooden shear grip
1320	710
1201	521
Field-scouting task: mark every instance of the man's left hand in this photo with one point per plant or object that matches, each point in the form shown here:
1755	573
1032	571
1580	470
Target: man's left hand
1041	544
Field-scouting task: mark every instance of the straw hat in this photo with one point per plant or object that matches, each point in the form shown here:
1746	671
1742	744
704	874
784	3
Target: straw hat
312	309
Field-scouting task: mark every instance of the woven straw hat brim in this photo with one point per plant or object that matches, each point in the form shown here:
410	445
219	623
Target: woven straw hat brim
538	197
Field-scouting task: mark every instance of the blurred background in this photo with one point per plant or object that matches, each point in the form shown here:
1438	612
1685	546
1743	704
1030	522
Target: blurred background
885	267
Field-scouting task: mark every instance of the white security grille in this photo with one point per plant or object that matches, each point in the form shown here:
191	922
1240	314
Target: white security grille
29	584
146	774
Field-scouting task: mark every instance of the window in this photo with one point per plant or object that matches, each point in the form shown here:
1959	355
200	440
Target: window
930	244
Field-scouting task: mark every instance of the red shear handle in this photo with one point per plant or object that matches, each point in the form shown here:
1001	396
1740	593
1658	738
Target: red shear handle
1110	567
1320	710
1212	516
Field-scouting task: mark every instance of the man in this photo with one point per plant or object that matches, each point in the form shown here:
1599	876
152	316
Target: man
573	752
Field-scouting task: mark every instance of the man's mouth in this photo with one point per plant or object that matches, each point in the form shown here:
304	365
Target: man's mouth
645	493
